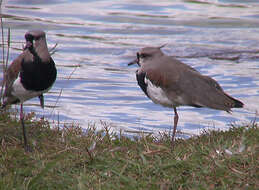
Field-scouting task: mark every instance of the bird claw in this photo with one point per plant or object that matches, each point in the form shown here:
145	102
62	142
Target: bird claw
28	149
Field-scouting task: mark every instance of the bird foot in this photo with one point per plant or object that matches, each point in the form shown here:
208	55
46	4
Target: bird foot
27	149
172	145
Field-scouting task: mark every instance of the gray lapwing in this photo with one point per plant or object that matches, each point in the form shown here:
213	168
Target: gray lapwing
30	75
171	83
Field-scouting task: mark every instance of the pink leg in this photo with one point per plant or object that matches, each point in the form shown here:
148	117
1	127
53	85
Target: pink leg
23	129
175	126
21	112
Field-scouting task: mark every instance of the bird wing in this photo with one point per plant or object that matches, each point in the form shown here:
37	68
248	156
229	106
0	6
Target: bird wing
185	85
203	91
163	73
11	74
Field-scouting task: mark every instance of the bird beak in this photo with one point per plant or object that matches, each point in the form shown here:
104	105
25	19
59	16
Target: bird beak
136	61
28	45
133	62
162	46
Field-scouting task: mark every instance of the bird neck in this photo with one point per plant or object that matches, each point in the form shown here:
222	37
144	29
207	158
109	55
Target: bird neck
41	51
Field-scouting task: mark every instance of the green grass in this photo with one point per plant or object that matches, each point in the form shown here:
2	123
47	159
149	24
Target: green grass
68	158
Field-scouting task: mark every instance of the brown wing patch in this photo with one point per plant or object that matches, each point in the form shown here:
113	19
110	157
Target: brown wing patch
11	74
157	78
14	69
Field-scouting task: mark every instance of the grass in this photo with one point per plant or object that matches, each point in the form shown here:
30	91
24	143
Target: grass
70	158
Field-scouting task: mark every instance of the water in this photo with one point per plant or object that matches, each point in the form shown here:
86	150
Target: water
96	40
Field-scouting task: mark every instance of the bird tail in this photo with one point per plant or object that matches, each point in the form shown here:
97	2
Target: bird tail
237	103
246	106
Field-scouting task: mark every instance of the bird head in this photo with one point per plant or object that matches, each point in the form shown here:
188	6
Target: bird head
33	39
146	54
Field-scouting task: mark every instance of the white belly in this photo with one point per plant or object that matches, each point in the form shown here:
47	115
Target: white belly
20	92
157	95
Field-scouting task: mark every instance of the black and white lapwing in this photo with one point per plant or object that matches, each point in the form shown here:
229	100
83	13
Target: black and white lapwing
30	75
171	83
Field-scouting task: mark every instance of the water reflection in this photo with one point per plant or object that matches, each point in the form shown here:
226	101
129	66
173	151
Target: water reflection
96	40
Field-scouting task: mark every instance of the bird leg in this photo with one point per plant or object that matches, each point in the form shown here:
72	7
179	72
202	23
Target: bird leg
23	129
41	97
175	126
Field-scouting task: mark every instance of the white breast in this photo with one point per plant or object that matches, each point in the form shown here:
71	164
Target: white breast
20	92
157	94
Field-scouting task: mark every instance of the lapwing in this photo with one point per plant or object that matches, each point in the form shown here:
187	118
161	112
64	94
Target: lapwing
171	83
30	75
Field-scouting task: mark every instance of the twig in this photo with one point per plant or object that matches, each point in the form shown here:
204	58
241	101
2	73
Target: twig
8	48
89	153
60	92
53	49
3	54
5	62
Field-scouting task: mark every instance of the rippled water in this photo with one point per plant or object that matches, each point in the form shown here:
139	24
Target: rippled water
96	40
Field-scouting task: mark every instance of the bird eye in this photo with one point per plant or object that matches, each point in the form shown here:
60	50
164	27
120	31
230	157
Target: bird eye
143	55
29	37
36	38
138	55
